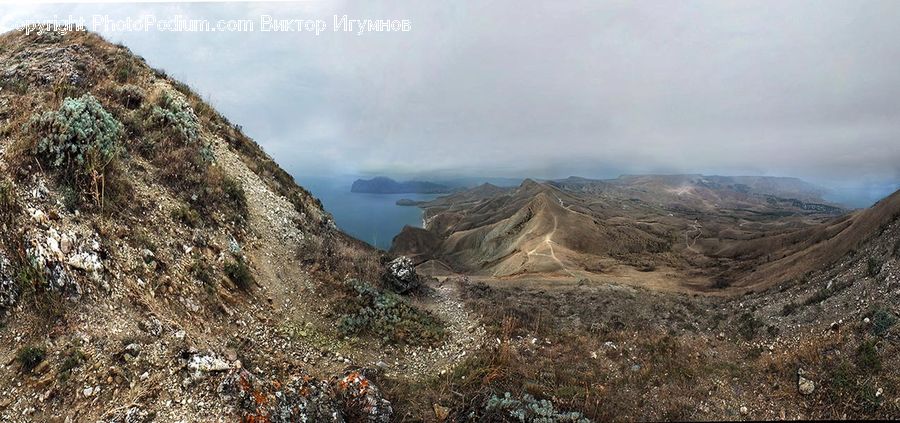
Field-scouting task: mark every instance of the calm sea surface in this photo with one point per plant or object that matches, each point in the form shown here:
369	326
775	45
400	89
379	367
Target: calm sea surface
373	218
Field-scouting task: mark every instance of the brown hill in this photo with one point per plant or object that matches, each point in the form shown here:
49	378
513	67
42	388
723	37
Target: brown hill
795	254
675	231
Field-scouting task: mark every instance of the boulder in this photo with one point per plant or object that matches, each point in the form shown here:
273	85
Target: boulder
401	276
804	385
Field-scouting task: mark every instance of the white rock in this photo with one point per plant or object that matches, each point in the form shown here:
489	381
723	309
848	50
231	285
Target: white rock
208	363
805	385
38	216
87	262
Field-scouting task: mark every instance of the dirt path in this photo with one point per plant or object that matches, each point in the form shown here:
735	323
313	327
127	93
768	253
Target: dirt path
272	217
465	334
689	241
548	242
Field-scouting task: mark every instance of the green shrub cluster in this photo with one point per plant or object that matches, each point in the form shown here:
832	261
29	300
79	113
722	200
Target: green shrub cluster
80	133
29	357
530	409
187	215
73	359
80	139
882	321
386	315
867	358
748	325
873	266
173	111
239	272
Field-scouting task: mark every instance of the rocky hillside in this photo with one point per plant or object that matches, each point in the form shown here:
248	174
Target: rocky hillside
157	265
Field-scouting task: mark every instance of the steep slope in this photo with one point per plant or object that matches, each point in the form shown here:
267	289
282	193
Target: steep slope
794	254
157	265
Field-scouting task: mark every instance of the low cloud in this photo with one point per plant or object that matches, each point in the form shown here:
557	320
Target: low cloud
809	89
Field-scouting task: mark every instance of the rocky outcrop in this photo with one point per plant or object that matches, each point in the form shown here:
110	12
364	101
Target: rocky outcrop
401	276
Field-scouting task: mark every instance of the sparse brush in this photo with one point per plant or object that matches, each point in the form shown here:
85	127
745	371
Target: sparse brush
748	325
129	96
29	357
202	271
187	215
867	358
882	321
9	204
73	359
873	266
125	70
239	272
17	86
789	309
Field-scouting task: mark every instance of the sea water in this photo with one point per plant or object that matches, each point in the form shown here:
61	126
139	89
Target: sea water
373	218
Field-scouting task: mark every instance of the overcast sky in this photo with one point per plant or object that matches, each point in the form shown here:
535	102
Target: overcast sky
514	88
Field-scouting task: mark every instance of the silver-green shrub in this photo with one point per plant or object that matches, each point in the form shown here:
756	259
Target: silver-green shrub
173	111
528	409
81	135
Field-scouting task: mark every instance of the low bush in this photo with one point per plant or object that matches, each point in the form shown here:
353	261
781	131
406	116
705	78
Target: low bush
81	141
748	325
239	272
187	215
29	357
789	309
529	409
129	96
882	321
172	112
202	271
73	359
386	315
867	358
873	266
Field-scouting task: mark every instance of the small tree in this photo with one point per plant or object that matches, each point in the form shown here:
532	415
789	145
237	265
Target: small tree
81	139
